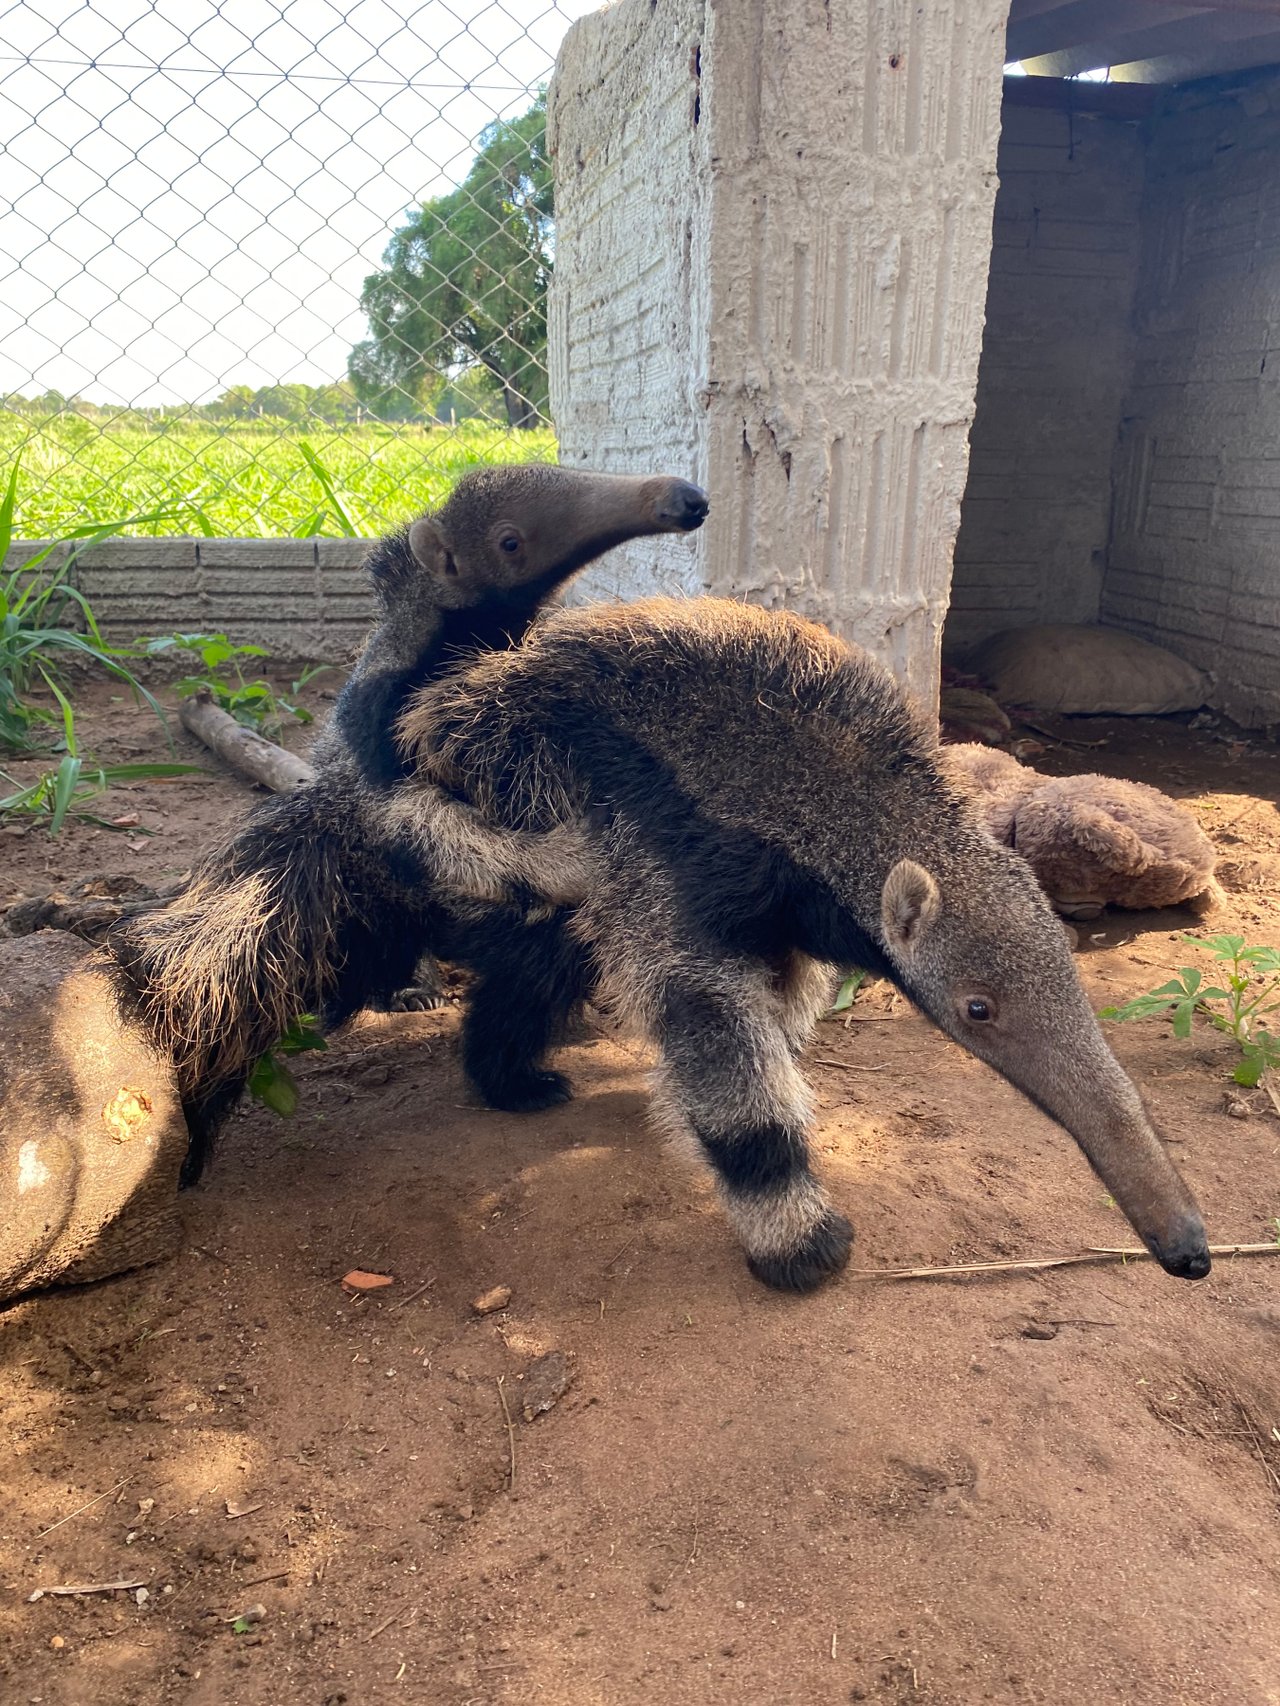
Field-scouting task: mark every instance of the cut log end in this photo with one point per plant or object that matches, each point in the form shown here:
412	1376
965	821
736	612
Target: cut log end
92	1133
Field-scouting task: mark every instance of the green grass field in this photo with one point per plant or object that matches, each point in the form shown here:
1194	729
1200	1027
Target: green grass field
250	480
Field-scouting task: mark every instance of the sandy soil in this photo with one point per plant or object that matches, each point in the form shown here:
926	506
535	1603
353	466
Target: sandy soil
1056	1487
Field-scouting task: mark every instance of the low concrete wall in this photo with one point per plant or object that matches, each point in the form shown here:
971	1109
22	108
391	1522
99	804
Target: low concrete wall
300	598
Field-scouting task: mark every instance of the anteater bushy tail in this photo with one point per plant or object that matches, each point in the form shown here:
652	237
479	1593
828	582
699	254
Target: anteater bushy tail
298	911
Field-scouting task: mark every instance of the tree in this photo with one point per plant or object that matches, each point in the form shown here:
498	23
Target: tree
464	282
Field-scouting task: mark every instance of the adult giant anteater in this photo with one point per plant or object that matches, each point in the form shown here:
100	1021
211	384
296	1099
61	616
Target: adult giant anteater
759	804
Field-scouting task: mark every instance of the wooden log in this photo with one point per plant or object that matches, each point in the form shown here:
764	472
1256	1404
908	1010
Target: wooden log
91	1128
249	753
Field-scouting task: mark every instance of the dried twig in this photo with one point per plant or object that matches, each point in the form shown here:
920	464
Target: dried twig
274	1576
1059	740
87	1587
845	1065
618	1254
511	1434
1095	1253
81	1509
426	1285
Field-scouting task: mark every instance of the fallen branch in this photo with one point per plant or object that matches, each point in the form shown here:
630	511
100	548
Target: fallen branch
511	1435
87	1587
1093	1254
249	753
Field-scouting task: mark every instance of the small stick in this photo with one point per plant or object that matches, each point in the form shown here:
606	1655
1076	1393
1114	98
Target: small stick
1060	740
257	1581
385	1624
1095	1253
83	1508
426	1284
87	1587
511	1434
618	1255
1252	1431
846	1065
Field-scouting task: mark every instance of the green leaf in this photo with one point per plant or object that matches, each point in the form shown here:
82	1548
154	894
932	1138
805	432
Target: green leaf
326	485
8	504
1182	1015
64	790
847	991
1249	1071
303	1034
1221	947
272	1084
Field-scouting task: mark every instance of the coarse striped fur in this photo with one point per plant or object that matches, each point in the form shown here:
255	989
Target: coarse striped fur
763	805
325	900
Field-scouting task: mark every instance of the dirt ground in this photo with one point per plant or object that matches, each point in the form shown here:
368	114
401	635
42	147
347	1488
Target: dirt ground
1058	1487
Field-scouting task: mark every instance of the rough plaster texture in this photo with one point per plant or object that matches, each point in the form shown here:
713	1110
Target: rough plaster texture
773	232
300	598
1056	356
1195	554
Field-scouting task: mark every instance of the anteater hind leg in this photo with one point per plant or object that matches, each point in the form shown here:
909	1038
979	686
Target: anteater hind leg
529	978
729	1078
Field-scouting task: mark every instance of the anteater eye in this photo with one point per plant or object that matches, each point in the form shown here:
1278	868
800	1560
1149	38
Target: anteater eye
979	1011
510	543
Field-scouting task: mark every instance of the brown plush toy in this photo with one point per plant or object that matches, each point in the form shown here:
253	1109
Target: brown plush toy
1092	841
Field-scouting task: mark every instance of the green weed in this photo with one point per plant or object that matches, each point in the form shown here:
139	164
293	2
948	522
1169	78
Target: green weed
253	702
271	1081
1239	1006
36	638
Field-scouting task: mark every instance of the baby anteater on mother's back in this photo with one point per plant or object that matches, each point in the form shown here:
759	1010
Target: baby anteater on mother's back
760	805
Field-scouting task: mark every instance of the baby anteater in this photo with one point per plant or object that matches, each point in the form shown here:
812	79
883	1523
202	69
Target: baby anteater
761	804
320	902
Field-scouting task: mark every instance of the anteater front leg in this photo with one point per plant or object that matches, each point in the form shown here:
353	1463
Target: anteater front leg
728	1077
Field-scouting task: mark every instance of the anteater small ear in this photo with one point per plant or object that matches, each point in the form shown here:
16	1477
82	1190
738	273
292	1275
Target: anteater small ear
429	549
909	903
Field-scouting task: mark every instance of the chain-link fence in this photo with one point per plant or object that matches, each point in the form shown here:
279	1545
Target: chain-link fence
270	269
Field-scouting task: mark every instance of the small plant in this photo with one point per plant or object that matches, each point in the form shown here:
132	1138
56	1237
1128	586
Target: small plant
271	1081
36	638
67	790
848	991
1240	1009
253	702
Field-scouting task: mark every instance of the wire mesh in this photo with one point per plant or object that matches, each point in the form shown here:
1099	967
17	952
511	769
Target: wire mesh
270	269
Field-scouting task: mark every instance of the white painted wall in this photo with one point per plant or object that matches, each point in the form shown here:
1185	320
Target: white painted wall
1195	554
773	233
1056	357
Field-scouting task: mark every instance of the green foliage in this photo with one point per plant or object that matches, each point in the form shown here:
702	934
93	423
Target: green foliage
271	1082
1239	1006
245	479
66	791
253	703
847	992
464	283
36	603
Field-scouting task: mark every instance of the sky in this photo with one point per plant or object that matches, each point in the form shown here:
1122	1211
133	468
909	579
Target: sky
192	192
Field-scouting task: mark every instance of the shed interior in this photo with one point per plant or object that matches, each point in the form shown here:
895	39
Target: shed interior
1125	452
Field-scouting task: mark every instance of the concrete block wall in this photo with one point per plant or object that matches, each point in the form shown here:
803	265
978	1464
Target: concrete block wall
303	599
1194	562
1056	355
773	232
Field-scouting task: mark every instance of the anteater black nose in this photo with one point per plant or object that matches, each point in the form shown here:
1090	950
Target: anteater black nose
1186	1256
685	506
